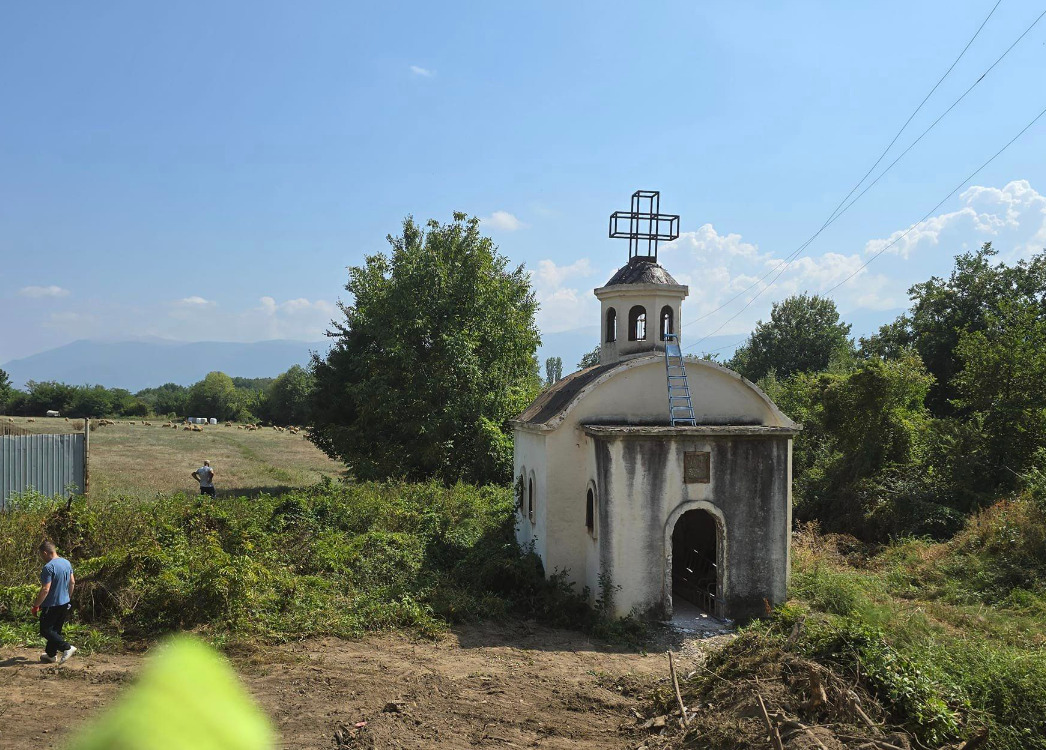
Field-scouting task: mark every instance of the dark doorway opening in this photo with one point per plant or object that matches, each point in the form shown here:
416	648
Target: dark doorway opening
695	560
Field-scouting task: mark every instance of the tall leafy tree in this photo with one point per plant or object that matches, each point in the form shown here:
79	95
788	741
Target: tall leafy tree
6	391
1002	388
803	335
860	459
553	370
169	398
589	359
944	309
434	354
215	396
287	400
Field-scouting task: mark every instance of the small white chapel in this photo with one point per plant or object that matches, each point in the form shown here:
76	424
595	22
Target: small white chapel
652	479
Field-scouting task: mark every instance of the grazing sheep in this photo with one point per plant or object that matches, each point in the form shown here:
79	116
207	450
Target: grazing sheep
30	420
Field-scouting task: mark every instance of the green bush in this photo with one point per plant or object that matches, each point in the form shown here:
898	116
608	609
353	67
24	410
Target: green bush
334	559
947	636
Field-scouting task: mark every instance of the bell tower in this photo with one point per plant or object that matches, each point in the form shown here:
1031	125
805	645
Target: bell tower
640	305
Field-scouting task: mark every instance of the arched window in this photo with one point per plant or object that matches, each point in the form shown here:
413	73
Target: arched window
637	323
666	322
530	499
590	511
611	324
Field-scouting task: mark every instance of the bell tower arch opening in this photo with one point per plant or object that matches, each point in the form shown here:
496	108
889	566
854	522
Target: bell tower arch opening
667	327
697	561
611	327
637	323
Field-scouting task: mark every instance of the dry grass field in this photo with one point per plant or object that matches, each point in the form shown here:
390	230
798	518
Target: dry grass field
141	460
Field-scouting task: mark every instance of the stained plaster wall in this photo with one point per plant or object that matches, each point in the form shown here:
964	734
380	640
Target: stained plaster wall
530	462
644	495
566	461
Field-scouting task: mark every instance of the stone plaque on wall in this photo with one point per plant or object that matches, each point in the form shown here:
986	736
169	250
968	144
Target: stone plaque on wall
697	467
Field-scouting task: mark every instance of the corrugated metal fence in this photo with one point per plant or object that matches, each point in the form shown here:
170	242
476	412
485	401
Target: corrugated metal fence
49	464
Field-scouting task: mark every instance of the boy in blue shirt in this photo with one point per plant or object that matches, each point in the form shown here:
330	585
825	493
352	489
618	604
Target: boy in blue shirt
56	586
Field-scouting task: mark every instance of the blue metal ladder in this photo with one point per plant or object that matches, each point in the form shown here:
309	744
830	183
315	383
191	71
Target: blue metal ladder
680	407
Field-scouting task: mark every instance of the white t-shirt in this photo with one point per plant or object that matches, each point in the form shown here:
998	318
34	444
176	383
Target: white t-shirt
205	473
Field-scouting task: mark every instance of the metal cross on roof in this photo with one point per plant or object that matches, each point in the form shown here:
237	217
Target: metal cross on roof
644	228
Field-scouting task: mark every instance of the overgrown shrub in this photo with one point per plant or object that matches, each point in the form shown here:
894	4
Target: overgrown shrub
337	559
911	624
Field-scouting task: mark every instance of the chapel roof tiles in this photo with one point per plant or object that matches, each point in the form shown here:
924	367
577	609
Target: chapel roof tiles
558	396
638	271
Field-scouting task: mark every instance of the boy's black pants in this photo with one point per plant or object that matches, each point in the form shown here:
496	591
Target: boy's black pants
51	621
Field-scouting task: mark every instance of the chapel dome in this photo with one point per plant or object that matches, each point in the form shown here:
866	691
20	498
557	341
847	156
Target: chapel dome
641	271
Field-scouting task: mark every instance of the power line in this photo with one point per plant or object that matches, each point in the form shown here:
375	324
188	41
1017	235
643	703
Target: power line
956	102
931	211
837	213
914	113
912	228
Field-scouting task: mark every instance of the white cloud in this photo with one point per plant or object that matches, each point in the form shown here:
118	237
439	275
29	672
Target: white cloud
724	273
564	307
194	301
1013	218
423	72
298	318
706	242
552	275
43	291
503	220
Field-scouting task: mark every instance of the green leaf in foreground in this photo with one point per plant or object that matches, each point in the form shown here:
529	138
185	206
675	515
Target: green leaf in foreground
188	698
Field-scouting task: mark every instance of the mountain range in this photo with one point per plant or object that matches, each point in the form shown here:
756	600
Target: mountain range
146	363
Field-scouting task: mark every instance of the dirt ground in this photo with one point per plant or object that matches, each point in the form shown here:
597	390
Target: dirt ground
481	686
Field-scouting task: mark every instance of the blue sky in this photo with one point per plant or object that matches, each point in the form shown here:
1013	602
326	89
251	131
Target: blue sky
206	171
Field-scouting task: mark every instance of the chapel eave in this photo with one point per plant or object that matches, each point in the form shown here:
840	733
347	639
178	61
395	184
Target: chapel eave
703	430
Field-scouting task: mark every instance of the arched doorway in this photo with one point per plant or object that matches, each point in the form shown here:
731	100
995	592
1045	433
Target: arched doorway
696	560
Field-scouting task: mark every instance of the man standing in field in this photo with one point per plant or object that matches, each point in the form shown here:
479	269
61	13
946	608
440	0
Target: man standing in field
205	476
52	602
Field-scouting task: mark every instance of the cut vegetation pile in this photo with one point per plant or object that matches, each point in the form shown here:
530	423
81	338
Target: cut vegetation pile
755	686
940	643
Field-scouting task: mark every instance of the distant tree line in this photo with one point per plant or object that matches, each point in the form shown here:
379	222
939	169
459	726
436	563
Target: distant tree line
940	413
281	400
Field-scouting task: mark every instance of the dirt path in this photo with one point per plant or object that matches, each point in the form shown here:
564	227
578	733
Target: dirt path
481	686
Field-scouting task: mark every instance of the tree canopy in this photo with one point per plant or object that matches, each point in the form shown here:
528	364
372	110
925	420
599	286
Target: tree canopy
6	391
589	359
287	399
944	309
436	351
553	370
216	396
803	335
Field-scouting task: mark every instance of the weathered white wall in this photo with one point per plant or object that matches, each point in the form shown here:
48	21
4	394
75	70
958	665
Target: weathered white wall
645	495
565	462
623	297
529	460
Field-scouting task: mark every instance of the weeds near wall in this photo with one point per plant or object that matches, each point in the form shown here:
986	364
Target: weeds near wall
336	559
